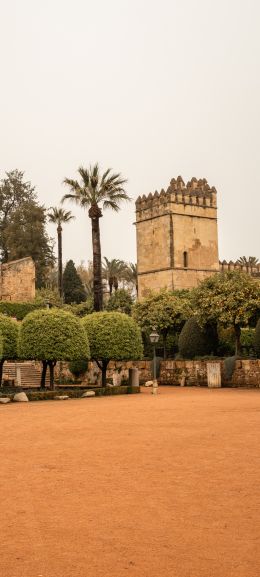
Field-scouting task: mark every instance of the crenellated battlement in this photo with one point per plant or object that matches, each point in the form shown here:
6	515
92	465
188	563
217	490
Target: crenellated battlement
193	197
252	270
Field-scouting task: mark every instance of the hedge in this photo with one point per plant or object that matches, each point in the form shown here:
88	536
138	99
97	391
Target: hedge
77	393
18	310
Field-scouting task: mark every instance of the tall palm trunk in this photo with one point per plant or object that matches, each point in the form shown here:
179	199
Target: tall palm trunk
110	282
95	214
60	283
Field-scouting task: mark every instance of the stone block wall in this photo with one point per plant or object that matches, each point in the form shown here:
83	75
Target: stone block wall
173	372
246	373
17	280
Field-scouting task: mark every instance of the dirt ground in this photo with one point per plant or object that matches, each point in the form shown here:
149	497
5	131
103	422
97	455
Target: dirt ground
138	486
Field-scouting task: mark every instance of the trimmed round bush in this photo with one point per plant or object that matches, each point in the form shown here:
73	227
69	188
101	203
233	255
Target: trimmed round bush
52	335
112	336
192	342
9	330
79	367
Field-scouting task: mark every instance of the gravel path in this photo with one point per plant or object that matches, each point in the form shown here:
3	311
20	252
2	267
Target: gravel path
137	486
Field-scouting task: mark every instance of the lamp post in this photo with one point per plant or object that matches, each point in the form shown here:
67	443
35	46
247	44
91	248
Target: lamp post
154	338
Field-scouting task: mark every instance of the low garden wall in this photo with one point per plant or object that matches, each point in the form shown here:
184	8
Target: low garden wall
246	373
173	372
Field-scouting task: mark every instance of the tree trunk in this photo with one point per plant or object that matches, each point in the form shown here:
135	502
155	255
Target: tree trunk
97	269
110	282
43	375
115	283
238	335
1	370
51	367
60	283
104	372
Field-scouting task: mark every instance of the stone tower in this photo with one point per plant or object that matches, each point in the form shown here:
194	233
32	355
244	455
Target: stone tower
177	236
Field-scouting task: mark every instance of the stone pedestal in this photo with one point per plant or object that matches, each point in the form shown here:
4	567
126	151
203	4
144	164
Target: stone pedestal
133	377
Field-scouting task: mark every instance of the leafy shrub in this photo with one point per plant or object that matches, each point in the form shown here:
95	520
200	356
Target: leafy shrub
77	393
247	340
78	367
121	301
192	342
257	339
227	341
45	295
18	310
81	309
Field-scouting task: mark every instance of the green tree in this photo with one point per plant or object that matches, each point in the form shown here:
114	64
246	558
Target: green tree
192	341
131	275
164	310
9	333
14	192
95	190
26	236
86	275
73	288
112	336
120	301
51	335
59	216
22	225
231	299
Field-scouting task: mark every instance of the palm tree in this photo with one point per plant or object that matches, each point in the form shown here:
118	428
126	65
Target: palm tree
131	275
59	216
95	190
113	271
250	261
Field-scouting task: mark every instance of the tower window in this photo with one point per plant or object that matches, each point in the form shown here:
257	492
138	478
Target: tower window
185	259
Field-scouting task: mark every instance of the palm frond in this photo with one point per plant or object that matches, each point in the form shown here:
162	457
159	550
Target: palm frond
73	184
85	175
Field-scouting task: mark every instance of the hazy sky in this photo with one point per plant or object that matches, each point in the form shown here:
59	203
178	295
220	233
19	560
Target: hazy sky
150	88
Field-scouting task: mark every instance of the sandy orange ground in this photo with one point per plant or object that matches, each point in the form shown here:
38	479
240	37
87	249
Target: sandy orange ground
137	486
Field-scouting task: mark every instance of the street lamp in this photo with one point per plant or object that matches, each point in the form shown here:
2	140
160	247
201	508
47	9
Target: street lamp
154	338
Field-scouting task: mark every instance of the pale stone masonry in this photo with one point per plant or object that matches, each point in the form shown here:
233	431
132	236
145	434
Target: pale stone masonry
17	280
177	237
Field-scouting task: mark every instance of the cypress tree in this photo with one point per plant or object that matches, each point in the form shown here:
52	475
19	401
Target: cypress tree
73	288
192	342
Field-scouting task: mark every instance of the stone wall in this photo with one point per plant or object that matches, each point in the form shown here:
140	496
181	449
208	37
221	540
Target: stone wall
192	373
17	280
